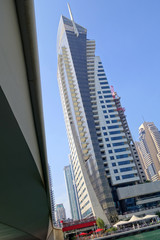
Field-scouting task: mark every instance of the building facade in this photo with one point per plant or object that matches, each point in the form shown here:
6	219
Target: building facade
100	155
129	137
52	196
149	150
60	213
72	194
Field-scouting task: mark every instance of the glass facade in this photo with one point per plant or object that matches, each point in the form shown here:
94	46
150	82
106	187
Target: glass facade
74	205
83	87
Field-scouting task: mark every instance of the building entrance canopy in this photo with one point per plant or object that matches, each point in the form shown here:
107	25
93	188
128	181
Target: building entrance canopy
135	219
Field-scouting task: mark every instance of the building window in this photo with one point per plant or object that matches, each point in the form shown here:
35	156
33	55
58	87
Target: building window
110	111
117	178
114	132
120	150
118	144
106	92
123	163
101	74
112	157
105	134
106	116
102	83
105	87
116	138
99	92
122	156
115	171
110	151
106	139
126	169
103	106
113	164
104	111
103	128
108	145
127	176
114	121
101	79
100	70
100	97
101	101
107	122
112	127
86	213
107	96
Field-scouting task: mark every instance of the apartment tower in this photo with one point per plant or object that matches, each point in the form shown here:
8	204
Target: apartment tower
100	155
149	150
60	213
72	193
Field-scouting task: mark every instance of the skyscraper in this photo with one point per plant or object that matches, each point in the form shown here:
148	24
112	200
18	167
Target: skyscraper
128	134
100	155
52	196
60	213
72	194
149	150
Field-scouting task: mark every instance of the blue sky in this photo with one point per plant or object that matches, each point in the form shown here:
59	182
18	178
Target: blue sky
127	36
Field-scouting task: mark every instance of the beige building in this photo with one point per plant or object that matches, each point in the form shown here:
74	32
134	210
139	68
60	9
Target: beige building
149	150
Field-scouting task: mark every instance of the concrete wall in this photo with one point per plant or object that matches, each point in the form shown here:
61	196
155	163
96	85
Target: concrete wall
13	76
25	173
58	234
138	190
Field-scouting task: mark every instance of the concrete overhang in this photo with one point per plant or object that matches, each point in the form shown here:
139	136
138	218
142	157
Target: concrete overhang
138	190
27	25
25	204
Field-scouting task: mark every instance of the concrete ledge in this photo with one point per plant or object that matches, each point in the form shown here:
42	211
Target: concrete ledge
138	190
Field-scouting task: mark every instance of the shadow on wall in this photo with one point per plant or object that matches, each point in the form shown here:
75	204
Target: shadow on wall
57	234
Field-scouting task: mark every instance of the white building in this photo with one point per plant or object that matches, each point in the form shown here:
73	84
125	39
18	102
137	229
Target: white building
100	156
149	150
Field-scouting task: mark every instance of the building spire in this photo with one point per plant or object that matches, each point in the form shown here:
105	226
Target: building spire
72	19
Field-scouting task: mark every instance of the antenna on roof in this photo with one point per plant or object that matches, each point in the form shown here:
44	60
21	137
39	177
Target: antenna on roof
143	118
72	19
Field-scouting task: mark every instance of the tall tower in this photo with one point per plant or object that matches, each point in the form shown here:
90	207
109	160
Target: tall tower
52	196
60	213
121	110
149	150
100	156
72	194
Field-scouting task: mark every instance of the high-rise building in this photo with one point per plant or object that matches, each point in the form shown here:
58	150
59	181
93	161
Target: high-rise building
149	150
60	213
100	154
129	137
72	194
52	196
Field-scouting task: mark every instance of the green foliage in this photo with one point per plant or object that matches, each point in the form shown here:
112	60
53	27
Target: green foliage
158	213
100	223
112	229
108	230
